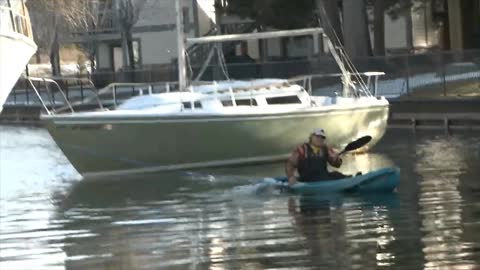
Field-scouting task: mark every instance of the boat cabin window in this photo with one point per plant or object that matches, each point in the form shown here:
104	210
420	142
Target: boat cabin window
240	102
188	105
283	100
246	102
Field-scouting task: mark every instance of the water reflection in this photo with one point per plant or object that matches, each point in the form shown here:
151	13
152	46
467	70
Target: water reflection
33	171
337	228
213	219
440	164
197	220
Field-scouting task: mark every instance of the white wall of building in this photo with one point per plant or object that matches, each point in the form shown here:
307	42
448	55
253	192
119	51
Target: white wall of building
253	50
425	34
104	56
274	47
155	30
158	47
395	34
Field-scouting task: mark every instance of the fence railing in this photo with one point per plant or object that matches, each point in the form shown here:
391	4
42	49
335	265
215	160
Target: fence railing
412	76
61	94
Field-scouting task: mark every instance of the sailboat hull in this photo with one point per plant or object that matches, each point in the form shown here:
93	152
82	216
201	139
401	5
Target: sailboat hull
135	144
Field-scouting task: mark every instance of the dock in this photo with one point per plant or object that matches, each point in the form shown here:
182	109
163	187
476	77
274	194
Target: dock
435	114
435	121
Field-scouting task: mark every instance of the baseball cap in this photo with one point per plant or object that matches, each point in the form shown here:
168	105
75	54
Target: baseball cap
319	132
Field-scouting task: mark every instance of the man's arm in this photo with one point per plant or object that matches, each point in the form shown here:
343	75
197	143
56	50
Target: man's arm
333	158
291	166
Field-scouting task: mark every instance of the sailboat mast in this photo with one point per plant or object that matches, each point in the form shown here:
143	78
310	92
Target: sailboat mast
182	72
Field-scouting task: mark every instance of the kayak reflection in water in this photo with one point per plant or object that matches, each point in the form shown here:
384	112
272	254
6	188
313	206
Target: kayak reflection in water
310	160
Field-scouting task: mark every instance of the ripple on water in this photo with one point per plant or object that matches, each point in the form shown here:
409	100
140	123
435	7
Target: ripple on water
216	220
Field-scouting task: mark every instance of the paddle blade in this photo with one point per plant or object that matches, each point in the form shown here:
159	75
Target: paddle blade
357	143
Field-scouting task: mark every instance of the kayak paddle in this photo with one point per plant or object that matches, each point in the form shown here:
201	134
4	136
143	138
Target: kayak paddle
356	144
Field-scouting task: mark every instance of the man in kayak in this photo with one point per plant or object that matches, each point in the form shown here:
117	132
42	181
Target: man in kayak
311	159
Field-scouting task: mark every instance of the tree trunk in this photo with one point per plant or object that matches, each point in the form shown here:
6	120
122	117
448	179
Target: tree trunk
126	74
131	55
55	50
38	58
409	30
125	50
330	18
92	56
379	27
262	44
55	58
445	31
355	26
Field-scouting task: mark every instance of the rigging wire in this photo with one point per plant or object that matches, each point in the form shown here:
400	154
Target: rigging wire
345	58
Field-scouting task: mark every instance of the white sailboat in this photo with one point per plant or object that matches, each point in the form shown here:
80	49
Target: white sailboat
215	124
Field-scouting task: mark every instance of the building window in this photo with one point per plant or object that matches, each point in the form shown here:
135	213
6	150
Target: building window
117	55
136	53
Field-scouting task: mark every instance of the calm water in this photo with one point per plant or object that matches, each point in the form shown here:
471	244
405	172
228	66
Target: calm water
212	219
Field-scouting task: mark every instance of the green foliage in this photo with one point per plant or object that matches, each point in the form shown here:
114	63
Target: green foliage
396	8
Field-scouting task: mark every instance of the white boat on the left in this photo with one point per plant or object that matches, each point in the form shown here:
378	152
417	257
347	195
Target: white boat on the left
16	44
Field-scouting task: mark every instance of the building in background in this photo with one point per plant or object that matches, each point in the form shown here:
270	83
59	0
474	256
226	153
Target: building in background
154	40
429	25
435	24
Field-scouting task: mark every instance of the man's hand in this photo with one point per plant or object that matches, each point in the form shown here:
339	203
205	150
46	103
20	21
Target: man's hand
334	158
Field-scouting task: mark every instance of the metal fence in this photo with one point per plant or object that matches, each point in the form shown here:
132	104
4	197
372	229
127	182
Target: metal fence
425	75
431	75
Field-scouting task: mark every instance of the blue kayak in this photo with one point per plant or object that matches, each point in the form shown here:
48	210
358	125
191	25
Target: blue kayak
382	180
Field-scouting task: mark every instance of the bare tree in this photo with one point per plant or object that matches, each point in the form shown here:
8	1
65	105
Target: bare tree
53	18
379	27
89	20
45	28
127	14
